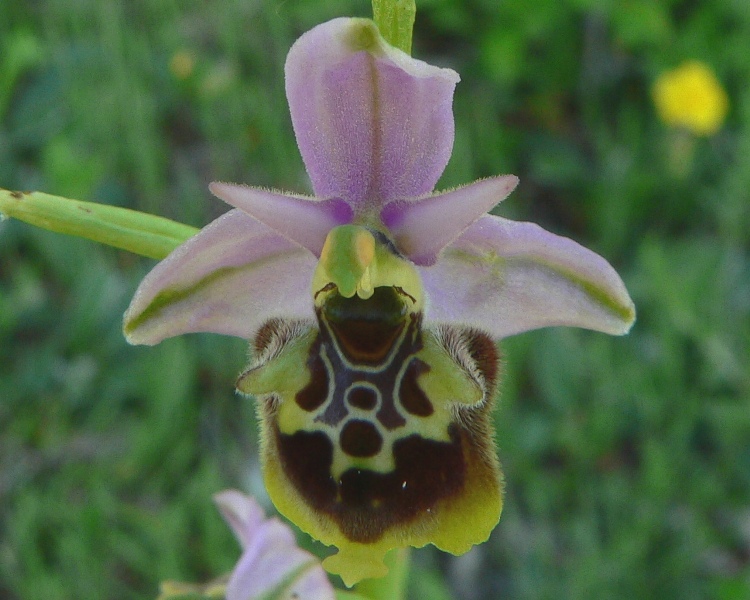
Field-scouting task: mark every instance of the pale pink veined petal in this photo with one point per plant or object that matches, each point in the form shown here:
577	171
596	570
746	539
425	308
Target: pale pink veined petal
372	123
271	565
506	277
242	513
230	278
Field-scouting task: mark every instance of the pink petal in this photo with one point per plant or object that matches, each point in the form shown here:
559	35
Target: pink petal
271	562
372	123
506	277
305	221
230	278
423	227
242	513
312	585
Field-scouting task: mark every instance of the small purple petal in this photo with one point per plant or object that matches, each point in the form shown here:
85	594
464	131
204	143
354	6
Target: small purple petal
270	555
303	220
422	228
242	513
372	123
313	585
265	565
506	277
230	278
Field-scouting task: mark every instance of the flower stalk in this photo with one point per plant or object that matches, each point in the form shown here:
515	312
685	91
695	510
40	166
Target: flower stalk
393	585
137	232
395	20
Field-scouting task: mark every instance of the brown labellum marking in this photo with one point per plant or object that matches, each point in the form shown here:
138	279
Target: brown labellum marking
384	311
364	503
411	396
265	335
483	350
307	457
314	394
360	439
389	417
366	342
363	397
367	329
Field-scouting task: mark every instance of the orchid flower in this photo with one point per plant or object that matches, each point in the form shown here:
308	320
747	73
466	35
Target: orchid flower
272	565
374	306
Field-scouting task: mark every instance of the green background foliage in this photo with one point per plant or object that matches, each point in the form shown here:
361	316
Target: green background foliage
627	460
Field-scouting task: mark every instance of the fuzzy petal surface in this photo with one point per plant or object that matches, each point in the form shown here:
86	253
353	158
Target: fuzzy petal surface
505	277
230	278
372	123
271	566
422	228
303	220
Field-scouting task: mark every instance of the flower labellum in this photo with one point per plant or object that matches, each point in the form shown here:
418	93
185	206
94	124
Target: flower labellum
374	306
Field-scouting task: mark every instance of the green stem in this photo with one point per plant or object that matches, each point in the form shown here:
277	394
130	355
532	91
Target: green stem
395	20
123	228
393	585
343	595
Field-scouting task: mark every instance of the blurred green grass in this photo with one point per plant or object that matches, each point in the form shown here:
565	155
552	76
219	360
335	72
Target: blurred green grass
627	460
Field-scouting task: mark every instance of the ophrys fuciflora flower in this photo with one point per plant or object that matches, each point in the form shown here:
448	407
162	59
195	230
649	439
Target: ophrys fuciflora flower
375	305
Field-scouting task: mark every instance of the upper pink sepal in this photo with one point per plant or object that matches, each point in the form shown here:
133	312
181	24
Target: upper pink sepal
372	123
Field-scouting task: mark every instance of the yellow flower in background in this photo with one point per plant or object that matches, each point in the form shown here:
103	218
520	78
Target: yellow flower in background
690	96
